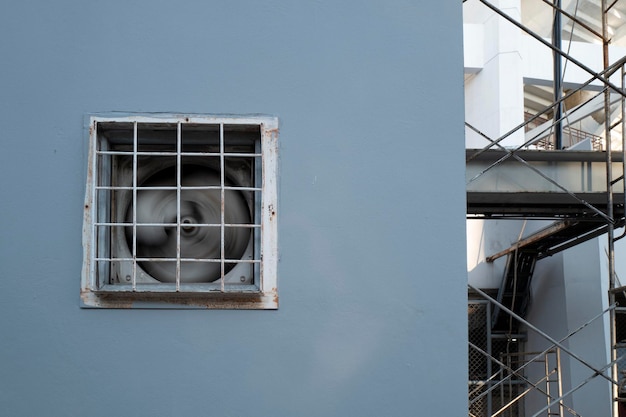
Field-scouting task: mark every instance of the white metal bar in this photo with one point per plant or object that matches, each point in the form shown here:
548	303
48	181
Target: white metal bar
166	188
179	149
227	154
166	153
560	382
135	148
94	215
241	225
546	367
222	206
183	259
172	119
139	153
269	207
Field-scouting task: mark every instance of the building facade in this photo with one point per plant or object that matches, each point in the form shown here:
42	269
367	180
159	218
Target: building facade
371	278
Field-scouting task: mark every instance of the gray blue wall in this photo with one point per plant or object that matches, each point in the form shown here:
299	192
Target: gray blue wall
372	318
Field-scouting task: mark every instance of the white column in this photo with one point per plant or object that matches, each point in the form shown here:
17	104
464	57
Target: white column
494	97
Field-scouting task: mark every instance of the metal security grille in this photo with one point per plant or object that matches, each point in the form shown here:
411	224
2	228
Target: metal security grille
181	205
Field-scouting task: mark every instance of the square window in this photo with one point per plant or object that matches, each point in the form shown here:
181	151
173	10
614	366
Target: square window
180	211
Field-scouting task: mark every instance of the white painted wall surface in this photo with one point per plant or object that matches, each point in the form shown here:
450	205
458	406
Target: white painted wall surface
494	95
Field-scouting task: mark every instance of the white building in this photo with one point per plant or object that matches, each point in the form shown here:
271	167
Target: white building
509	79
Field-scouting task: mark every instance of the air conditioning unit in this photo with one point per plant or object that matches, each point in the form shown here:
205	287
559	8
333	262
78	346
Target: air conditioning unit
181	205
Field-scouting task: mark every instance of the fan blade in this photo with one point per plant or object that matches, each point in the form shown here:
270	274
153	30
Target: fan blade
201	243
154	206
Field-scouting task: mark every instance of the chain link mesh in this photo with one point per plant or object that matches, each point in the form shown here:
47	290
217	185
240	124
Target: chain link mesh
484	370
477	326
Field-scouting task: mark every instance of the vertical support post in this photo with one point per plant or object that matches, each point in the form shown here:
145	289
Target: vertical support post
557	72
135	185
559	381
623	109
609	185
179	184
546	369
489	364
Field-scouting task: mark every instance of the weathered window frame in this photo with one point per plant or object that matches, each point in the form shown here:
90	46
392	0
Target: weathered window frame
261	294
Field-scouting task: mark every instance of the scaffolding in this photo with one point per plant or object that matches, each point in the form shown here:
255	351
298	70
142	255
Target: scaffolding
501	374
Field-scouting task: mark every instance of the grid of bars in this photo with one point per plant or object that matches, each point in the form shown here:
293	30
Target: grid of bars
124	150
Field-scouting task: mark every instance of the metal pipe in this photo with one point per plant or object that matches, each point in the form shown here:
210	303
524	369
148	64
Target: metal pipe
623	123
560	383
557	74
610	226
546	369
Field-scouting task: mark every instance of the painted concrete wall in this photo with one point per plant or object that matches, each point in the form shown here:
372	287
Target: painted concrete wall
568	292
372	317
586	291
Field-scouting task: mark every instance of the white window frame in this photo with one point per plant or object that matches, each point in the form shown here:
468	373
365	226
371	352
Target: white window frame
263	295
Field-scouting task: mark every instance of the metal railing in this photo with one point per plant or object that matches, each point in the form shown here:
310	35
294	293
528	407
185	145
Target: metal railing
571	135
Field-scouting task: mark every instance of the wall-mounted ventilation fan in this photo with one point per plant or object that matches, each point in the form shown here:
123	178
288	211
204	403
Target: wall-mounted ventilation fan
195	207
181	210
184	204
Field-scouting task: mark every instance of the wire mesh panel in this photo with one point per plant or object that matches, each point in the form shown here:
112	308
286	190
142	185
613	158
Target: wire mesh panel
492	387
477	400
478	336
478	363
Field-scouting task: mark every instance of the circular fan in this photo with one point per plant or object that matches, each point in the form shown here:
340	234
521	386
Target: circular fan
198	242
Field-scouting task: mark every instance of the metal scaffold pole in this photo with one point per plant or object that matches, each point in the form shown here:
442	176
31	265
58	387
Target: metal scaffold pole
557	73
611	222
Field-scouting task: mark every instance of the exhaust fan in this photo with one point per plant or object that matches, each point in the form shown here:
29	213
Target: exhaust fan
171	224
181	205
